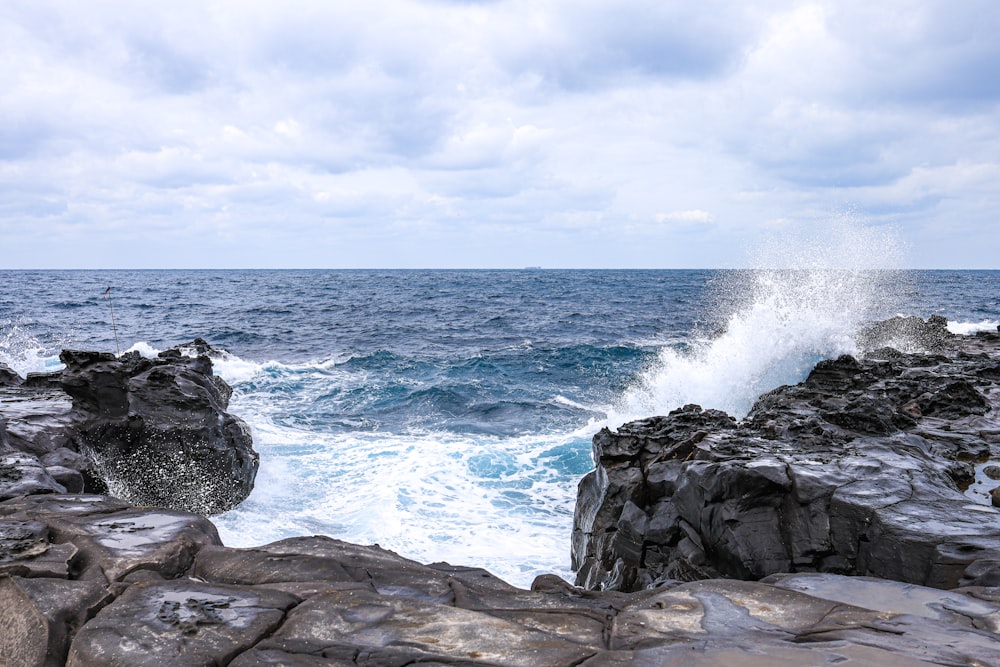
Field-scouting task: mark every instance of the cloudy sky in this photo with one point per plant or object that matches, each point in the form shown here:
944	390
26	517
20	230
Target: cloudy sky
507	133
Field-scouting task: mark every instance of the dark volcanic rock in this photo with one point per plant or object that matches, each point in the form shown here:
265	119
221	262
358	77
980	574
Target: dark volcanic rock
23	474
158	430
39	616
143	586
152	431
9	377
178	623
857	470
113	538
908	334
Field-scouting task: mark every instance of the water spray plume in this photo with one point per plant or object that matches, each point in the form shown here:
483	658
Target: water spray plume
805	301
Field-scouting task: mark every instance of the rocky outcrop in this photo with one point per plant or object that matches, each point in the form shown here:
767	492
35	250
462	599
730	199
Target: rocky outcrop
862	469
151	431
88	580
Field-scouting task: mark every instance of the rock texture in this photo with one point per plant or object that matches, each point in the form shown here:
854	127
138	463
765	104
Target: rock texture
862	469
90	580
152	431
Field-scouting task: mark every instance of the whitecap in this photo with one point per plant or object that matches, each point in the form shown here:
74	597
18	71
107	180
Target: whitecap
969	328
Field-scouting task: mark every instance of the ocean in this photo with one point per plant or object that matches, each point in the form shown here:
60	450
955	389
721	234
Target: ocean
447	415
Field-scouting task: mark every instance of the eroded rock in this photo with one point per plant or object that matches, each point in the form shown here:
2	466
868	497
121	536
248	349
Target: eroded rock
39	617
158	430
153	431
857	470
114	538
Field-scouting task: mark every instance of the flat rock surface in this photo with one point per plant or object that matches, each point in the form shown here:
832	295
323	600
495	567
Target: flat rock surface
178	623
316	601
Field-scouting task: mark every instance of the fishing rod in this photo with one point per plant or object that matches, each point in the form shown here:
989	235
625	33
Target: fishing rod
114	327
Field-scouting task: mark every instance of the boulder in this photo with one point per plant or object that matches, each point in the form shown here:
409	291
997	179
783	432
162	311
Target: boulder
9	377
858	470
158	431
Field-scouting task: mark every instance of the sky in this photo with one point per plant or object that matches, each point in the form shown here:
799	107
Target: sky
493	134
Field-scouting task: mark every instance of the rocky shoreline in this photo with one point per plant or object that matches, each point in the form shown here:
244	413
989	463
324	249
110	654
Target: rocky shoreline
858	470
698	540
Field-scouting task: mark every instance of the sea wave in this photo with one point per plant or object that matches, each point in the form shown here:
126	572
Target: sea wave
969	328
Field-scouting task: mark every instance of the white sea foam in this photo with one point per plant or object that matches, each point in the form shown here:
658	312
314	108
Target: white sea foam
502	504
969	328
805	302
234	370
144	349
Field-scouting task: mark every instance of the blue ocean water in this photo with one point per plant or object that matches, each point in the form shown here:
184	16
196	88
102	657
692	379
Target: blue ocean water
447	415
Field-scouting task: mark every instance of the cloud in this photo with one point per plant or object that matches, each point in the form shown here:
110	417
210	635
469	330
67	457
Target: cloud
578	127
694	215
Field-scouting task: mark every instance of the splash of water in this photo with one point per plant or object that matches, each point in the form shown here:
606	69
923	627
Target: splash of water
23	352
805	301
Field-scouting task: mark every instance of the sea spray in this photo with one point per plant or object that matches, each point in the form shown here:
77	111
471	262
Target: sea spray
804	302
23	352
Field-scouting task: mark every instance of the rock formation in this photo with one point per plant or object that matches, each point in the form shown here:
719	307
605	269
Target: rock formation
858	470
151	431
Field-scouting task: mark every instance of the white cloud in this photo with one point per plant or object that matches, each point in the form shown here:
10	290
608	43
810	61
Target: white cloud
693	215
570	125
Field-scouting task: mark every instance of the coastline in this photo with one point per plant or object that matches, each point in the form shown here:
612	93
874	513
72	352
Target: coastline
82	571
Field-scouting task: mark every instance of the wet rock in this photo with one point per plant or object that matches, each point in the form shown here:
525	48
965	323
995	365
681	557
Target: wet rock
158	430
895	597
314	559
178	623
23	475
5	445
770	622
856	470
907	334
70	479
9	377
25	550
38	421
811	480
39	616
115	539
381	629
